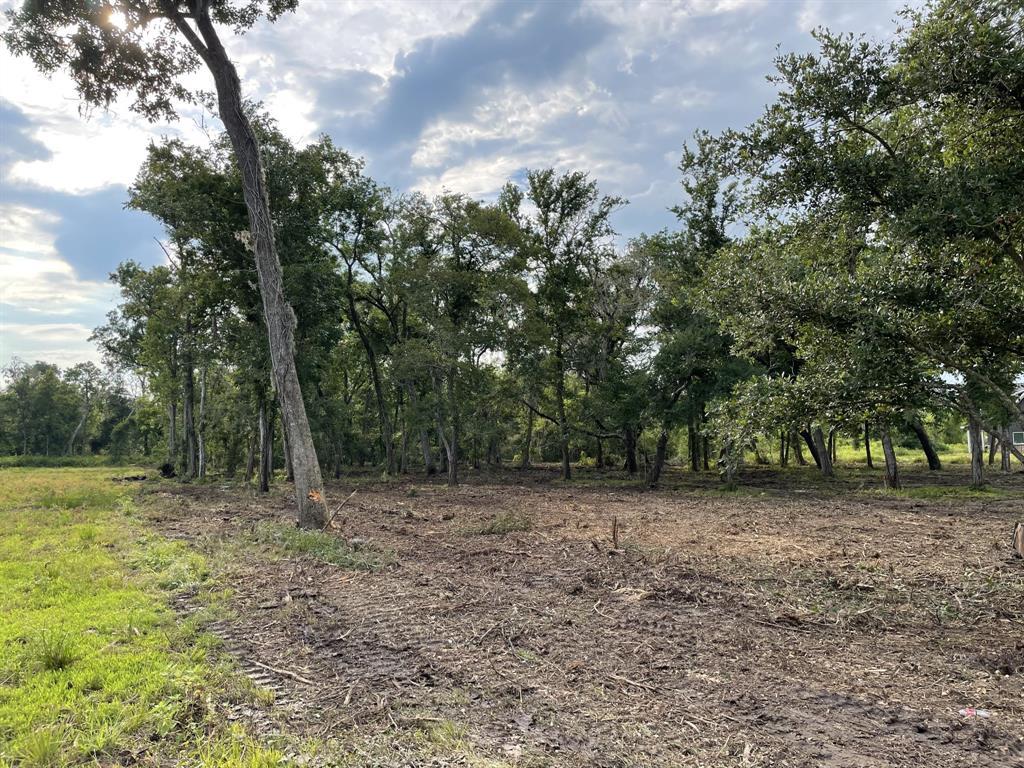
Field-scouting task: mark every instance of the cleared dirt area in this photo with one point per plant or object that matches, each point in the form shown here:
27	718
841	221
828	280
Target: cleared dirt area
793	623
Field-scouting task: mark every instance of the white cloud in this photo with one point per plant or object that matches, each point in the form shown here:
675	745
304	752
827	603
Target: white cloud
36	278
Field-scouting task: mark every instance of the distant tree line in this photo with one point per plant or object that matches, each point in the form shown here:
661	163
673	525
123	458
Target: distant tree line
849	265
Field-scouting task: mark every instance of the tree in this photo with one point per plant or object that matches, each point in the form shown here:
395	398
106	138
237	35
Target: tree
137	46
562	242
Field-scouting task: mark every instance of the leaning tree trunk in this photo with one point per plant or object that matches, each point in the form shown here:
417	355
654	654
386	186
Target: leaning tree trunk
809	440
824	457
914	420
977	461
892	472
278	313
660	454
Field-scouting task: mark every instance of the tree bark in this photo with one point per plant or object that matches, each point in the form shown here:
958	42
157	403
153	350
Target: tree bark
824	457
794	441
201	426
977	463
992	441
386	428
1004	450
266	447
660	454
289	468
629	441
277	312
189	424
78	428
692	444
528	440
809	439
563	426
892	472
172	436
867	445
914	420
250	459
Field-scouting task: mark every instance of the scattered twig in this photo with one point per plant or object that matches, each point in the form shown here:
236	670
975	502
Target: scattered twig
285	672
645	686
336	511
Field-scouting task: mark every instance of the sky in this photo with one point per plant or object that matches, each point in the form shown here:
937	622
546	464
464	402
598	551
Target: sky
453	95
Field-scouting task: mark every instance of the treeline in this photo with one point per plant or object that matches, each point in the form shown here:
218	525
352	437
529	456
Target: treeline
851	263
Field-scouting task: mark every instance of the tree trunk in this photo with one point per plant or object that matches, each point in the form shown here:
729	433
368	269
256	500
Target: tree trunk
528	440
78	428
201	427
250	459
692	444
974	438
266	448
629	441
914	420
189	425
1004	450
892	472
867	445
798	453
289	468
277	312
809	439
386	428
172	436
599	457
992	441
563	426
783	450
824	457
654	475
832	444
705	453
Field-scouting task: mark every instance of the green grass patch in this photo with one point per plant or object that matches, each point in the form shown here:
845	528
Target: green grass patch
505	522
953	492
288	540
94	664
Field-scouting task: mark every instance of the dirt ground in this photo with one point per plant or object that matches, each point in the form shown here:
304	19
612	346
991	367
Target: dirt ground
794	623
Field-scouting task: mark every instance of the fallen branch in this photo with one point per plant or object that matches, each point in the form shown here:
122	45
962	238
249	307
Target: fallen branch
645	686
331	519
285	672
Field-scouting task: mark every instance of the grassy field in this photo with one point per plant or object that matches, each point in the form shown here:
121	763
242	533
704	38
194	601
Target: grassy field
515	621
95	666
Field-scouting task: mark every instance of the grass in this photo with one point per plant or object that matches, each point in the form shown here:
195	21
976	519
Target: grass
94	664
506	522
288	540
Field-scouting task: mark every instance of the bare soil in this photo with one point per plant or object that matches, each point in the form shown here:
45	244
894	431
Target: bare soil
794	623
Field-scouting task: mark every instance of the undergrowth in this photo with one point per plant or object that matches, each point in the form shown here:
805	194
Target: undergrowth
94	664
287	540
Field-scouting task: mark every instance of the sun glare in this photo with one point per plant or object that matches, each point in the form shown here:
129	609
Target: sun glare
117	19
